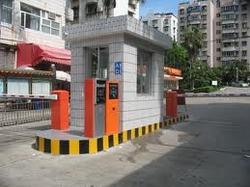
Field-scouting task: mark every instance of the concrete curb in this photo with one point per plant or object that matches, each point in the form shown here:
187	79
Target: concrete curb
95	145
213	95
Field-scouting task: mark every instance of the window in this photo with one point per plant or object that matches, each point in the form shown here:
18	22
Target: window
244	7
30	17
144	63
154	22
204	17
91	9
244	16
204	8
17	86
244	34
244	53
6	11
244	25
244	43
165	29
145	22
218	49
182	11
99	58
39	20
76	13
166	21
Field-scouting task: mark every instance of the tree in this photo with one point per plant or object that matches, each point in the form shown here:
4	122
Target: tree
110	4
176	56
192	43
229	72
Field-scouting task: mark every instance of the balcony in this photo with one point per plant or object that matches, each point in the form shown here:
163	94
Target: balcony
231	48
231	30
234	58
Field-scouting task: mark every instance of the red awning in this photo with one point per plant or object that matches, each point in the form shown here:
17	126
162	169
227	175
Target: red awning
29	54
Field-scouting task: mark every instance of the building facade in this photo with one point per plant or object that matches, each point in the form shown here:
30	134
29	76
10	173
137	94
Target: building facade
87	10
225	25
164	22
233	32
30	21
200	14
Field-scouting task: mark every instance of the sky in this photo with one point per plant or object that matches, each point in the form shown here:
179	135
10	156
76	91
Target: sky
159	6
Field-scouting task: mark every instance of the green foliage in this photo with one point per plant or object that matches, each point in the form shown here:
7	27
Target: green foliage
176	56
206	89
229	72
197	74
192	42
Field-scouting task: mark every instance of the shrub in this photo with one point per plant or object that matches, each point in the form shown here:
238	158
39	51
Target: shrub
206	89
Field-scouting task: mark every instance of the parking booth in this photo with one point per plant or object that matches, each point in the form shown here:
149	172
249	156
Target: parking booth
117	78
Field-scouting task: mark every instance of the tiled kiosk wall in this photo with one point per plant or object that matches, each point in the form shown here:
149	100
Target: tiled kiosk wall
136	110
123	35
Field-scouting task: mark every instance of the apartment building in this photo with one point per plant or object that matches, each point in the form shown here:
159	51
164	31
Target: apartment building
31	21
225	25
164	22
200	14
233	32
86	10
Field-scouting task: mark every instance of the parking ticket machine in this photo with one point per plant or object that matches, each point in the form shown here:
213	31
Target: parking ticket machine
94	107
101	107
112	108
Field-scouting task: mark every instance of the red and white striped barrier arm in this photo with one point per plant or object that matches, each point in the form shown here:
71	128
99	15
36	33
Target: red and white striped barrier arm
214	95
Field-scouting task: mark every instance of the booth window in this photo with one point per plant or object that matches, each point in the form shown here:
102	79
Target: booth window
6	11
99	62
144	71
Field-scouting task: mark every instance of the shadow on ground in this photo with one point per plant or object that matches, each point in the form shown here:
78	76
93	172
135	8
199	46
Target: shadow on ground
212	151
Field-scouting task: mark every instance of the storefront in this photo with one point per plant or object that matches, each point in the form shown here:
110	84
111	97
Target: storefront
25	82
172	76
45	58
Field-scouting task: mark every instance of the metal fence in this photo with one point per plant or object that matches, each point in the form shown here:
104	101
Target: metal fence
18	111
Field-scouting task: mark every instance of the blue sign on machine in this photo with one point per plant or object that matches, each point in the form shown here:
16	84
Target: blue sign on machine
118	68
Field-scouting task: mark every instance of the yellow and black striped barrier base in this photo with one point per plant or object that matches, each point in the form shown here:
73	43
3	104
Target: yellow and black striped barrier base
94	145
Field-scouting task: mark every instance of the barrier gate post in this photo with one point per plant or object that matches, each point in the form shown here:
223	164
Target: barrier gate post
60	110
171	104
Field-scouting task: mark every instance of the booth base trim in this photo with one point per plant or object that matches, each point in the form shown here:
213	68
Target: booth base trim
57	146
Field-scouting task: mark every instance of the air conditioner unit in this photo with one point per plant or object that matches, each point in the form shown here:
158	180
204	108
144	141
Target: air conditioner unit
52	16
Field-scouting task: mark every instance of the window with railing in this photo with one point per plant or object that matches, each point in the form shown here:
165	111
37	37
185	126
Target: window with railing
6	11
39	20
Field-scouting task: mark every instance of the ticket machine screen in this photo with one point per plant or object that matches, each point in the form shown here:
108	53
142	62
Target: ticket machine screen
113	91
100	92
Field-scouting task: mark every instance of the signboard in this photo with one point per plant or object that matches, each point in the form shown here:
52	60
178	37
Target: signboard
118	68
214	83
1	86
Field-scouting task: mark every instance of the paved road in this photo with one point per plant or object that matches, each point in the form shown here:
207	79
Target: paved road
210	149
